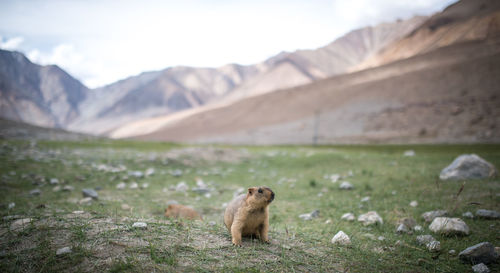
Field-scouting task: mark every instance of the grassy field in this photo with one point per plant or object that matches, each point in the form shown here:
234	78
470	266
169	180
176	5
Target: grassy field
102	237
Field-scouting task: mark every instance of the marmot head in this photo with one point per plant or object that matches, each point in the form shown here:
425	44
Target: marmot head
262	196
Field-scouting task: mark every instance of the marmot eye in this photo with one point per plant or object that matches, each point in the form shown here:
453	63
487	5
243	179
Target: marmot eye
260	191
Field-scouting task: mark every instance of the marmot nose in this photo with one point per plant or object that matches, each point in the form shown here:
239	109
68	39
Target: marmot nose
272	196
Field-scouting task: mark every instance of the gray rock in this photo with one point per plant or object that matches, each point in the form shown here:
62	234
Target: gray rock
425	239
452	252
449	226
434	246
370	218
125	207
212	223
409	153
488	214
480	268
90	193
11	205
136	174
121	186
172	202
309	216
35	192
150	171
64	250
20	224
413	203
341	239
346	186
54	181
85	201
182	186
468	167
402	229
365	199
133	186
418	228
200	190
430	215
481	253
56	189
176	173
140	225
144	185
410	223
348	217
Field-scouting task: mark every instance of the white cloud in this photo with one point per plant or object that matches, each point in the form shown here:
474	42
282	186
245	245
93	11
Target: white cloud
12	43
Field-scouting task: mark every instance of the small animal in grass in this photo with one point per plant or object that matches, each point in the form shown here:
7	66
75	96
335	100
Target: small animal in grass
180	211
248	214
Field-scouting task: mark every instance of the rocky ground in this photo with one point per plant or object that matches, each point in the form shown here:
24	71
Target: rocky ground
98	206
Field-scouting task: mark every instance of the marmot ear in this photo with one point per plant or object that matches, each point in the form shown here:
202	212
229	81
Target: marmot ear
251	190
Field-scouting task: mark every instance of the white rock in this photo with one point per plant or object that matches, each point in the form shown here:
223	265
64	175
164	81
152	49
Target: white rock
365	199
409	153
35	192
334	178
54	181
78	212
341	238
133	185
480	268
20	224
140	225
430	215
370	218
468	214
346	186
86	200
212	223
434	246
121	186
56	188
394	192
64	250
150	171
11	205
68	188
425	239
449	226
348	217
328	221
125	207
309	216
413	203
402	229
452	252
182	186
144	185
381	238
418	228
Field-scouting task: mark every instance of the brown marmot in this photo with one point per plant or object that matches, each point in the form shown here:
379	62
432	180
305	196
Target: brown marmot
248	214
180	211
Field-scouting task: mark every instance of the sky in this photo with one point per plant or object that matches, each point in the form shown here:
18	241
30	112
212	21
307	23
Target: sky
102	41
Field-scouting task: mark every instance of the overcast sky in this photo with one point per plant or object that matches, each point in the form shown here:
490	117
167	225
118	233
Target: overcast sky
100	41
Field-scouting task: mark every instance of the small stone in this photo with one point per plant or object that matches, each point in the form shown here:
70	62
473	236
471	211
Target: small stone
90	193
418	228
488	214
78	212
398	243
348	217
452	252
121	186
402	229
370	236
430	215
480	268
413	203
141	225
86	200
394	192
425	239
481	253
20	224
136	174
449	226
125	207
56	189
133	186
381	238
409	153
365	199
346	186
468	167
182	186
328	221
468	214
309	216
145	185
176	173
341	238
370	218
172	202
35	192
434	246
287	247
150	171
54	181
11	205
200	190
68	188
211	223
64	250
410	223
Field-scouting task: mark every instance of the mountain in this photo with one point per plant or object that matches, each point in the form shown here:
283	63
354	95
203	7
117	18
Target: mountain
41	95
179	88
446	90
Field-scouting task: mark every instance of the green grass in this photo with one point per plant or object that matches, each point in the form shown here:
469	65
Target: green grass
102	238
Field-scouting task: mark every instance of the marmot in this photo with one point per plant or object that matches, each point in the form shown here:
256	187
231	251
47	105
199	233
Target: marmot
180	211
248	214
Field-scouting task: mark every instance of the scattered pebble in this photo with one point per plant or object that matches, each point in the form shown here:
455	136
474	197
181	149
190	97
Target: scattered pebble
35	192
182	186
150	171
425	239
413	203
365	199
11	205
78	212
409	153
394	192
346	186
488	214
121	186
348	217
468	214
90	193
133	185
480	268
481	253
125	207
434	246
145	185
68	188
141	225
452	252
418	228
328	221
341	238
20	224
370	218
402	229
449	226
85	201
309	216
430	215
64	250
56	189
212	223
54	181
381	238
136	174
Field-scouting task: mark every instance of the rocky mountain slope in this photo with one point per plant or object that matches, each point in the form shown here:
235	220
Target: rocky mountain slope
41	95
445	93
